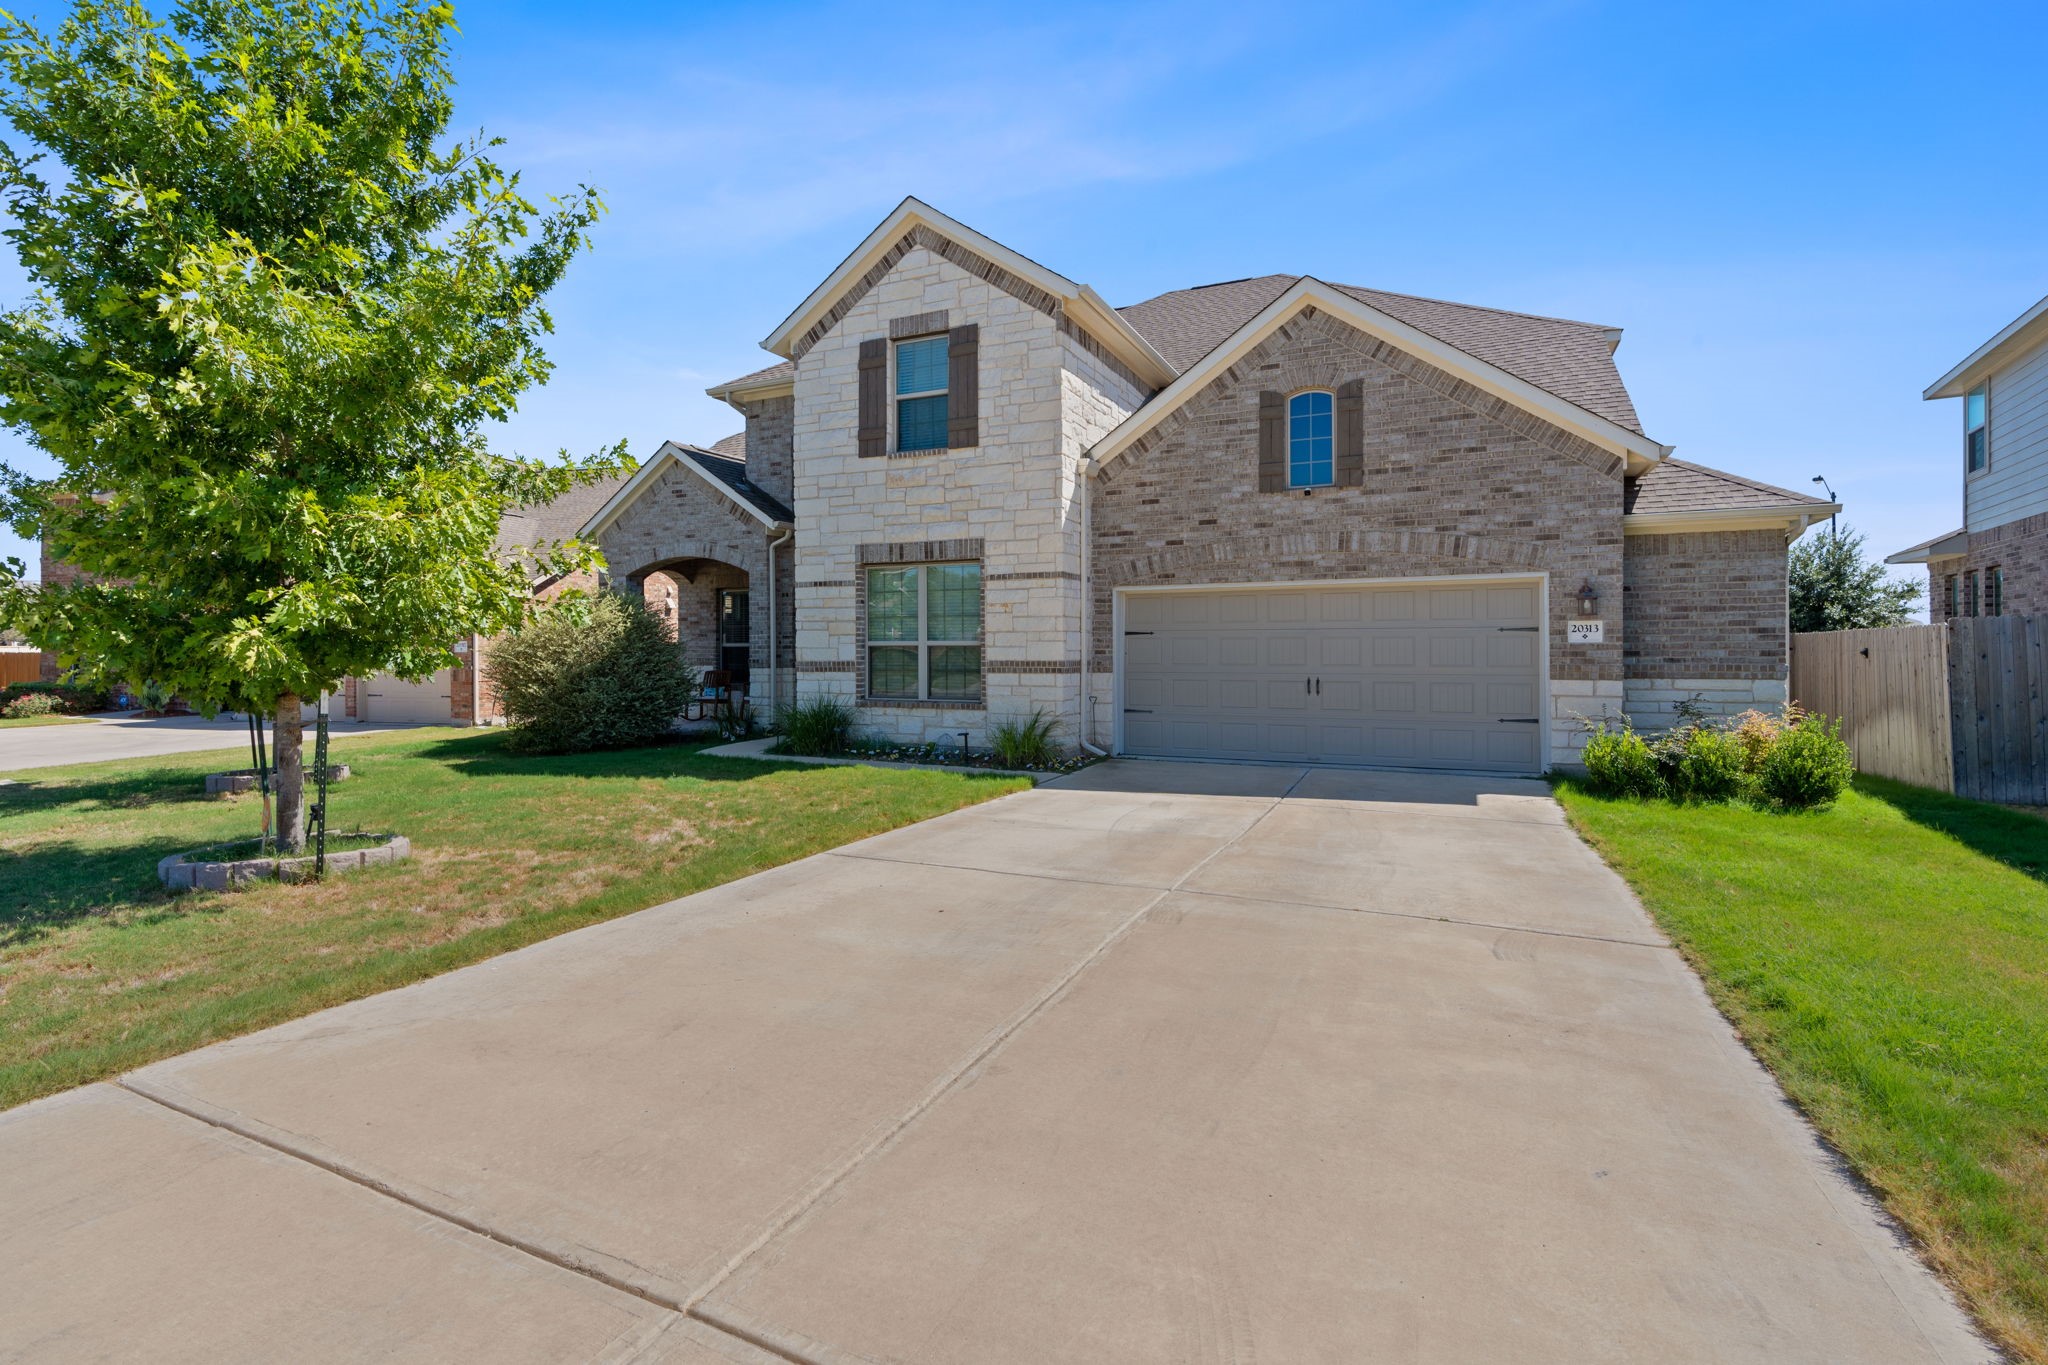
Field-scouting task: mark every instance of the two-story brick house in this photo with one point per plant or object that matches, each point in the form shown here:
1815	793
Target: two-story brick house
1269	518
1997	563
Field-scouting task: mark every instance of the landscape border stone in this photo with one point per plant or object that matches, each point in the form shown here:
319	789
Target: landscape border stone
241	780
189	872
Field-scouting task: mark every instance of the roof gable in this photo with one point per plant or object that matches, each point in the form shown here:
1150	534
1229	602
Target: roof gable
722	474
914	224
1636	450
1572	360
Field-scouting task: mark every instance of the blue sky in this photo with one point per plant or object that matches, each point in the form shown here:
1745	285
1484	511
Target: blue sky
1800	214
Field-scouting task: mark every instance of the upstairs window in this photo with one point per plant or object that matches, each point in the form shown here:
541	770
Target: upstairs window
1994	591
1311	440
1976	429
924	632
921	408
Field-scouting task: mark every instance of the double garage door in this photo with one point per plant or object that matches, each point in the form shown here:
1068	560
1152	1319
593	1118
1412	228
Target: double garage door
389	698
1422	675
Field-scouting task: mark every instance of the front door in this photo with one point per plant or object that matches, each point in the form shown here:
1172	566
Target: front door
734	637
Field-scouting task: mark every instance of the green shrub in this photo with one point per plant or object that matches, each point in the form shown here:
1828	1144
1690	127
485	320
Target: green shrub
1619	763
1709	766
1026	743
1808	765
72	699
31	704
821	727
591	673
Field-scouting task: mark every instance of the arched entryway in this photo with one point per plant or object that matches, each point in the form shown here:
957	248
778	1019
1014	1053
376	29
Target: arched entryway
709	607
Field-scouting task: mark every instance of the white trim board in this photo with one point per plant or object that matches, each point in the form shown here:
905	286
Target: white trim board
1792	518
1639	451
1983	360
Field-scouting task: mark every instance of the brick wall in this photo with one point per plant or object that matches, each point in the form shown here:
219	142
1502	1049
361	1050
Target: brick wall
694	534
2019	549
1705	618
1449	488
771	437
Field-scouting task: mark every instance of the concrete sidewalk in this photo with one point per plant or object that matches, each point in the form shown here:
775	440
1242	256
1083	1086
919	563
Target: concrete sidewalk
1159	1062
110	737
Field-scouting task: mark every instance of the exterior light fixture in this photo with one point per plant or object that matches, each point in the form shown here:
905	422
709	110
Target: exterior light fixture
1589	598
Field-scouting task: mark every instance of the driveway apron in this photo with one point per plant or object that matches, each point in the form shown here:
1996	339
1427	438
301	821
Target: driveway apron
1159	1062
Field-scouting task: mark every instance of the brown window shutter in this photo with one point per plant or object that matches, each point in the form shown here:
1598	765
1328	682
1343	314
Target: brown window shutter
874	397
1351	433
1272	442
963	386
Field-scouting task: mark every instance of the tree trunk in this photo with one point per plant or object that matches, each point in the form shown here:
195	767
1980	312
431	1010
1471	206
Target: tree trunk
287	751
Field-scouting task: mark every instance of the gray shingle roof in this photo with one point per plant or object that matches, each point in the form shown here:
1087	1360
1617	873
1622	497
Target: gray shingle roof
782	369
524	527
1680	486
1573	360
733	447
731	472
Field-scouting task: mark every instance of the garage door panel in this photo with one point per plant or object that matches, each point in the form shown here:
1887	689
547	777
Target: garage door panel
389	698
1424	675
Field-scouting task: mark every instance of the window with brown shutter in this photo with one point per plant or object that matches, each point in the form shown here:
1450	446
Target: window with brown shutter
874	397
963	385
1272	442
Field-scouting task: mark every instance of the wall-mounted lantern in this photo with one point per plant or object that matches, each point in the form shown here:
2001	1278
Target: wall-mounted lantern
1589	598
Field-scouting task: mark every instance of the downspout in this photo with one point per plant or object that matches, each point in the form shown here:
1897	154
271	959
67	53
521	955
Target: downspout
774	635
476	681
1087	610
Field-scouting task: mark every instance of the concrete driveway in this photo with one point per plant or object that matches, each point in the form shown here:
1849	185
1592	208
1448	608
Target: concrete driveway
1163	1062
48	746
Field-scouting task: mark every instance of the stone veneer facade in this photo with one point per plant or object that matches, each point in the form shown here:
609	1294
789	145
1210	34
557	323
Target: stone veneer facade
1045	395
1455	483
2018	550
1724	646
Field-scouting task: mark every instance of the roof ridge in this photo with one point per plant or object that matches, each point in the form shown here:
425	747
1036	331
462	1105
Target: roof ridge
1475	307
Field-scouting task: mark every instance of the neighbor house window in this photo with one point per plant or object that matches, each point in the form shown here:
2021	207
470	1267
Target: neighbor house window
921	412
1311	441
1948	597
1976	428
924	632
1970	593
1994	591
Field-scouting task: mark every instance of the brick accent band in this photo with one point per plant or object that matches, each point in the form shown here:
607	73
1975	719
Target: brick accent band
1032	666
1046	577
918	551
827	583
824	665
918	324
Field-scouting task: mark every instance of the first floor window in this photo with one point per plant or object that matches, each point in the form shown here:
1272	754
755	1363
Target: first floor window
735	635
1994	591
924	632
1970	593
1948	597
1311	440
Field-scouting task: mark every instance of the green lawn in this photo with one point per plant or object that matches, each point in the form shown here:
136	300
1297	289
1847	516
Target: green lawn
24	722
1888	959
101	970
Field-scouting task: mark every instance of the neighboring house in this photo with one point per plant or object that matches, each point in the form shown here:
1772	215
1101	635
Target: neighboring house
1998	562
1271	518
464	694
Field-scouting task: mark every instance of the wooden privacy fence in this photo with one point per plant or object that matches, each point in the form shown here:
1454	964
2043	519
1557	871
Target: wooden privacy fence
20	665
1961	706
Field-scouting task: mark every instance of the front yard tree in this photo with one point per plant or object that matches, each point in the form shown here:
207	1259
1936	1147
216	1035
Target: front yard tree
274	309
1833	587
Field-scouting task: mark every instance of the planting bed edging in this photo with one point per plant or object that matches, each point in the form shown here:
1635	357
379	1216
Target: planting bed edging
180	873
244	779
758	749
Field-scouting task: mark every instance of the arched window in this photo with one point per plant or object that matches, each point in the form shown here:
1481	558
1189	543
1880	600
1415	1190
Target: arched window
1311	444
